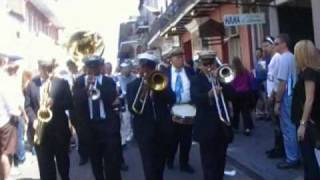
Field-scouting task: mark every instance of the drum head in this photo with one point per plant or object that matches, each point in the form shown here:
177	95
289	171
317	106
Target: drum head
184	110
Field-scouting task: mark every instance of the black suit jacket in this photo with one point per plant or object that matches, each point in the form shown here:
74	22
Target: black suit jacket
81	108
207	126
58	128
189	71
150	125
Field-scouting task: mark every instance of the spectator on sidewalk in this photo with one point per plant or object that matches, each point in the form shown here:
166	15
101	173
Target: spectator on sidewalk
242	96
269	50
9	112
286	79
306	104
260	70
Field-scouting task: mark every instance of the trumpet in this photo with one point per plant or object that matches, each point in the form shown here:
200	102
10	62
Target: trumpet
157	81
93	91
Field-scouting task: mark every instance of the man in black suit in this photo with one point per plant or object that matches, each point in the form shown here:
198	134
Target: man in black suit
179	82
152	127
208	128
54	146
98	119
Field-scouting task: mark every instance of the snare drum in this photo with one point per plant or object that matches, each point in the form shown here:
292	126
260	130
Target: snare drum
183	113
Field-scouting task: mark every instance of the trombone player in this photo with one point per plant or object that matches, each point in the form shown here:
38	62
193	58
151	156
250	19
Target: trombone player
150	100
210	129
47	99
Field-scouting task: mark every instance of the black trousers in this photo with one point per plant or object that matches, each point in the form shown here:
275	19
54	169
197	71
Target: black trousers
241	104
50	155
153	154
105	158
213	159
82	147
278	138
311	166
183	139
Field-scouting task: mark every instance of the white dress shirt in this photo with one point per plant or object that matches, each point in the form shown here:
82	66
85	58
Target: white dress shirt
102	112
273	67
8	104
185	95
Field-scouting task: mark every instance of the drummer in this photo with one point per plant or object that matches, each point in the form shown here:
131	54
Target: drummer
179	79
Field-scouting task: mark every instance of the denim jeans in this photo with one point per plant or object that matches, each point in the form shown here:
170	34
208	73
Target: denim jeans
288	129
20	148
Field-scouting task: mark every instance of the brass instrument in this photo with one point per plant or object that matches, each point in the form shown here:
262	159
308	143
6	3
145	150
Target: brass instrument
44	114
225	74
85	43
156	81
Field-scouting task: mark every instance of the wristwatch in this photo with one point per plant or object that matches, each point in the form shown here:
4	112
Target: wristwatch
303	123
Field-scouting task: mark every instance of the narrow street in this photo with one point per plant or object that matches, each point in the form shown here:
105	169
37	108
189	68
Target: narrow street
250	163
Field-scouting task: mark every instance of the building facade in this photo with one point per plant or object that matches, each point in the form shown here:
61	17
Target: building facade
195	25
30	29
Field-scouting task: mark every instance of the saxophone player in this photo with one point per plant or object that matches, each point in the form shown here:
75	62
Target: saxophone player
47	99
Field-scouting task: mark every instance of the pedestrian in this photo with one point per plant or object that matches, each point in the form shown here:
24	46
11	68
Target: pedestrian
94	95
179	82
107	69
260	70
152	125
48	93
306	105
286	79
208	127
277	151
242	96
9	112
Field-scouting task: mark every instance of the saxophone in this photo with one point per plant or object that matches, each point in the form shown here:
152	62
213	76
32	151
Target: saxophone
44	114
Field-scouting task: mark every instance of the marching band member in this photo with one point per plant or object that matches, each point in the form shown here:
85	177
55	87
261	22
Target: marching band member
152	126
94	95
179	81
48	93
208	128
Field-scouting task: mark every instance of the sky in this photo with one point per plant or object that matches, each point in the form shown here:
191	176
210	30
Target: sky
102	16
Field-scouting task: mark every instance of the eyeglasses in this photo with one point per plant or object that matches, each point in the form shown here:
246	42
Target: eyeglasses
276	43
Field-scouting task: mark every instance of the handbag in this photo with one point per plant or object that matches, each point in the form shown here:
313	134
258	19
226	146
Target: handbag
315	134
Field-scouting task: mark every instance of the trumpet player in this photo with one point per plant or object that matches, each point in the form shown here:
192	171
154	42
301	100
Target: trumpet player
47	99
94	95
150	106
209	127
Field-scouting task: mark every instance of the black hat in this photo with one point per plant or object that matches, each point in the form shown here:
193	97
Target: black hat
93	61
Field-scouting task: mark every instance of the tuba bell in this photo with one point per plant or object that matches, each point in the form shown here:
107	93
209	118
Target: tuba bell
84	43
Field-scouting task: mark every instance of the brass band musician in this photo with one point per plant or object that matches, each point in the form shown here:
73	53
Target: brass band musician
47	99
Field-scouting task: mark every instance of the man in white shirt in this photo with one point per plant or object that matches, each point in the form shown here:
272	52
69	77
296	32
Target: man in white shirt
269	50
9	111
286	79
179	81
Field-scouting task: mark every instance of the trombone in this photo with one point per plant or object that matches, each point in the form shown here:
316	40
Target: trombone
157	81
93	91
225	75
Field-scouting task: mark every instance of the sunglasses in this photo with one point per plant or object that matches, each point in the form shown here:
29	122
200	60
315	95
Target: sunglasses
207	64
276	43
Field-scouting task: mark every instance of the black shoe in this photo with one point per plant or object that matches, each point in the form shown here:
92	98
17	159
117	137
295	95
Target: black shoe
170	165
124	167
83	161
275	154
247	132
270	151
187	168
288	165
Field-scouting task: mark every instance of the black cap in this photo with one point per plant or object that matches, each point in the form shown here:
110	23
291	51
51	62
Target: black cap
93	61
269	39
207	56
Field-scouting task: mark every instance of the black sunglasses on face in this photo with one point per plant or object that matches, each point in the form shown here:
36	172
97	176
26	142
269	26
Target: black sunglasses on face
207	64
